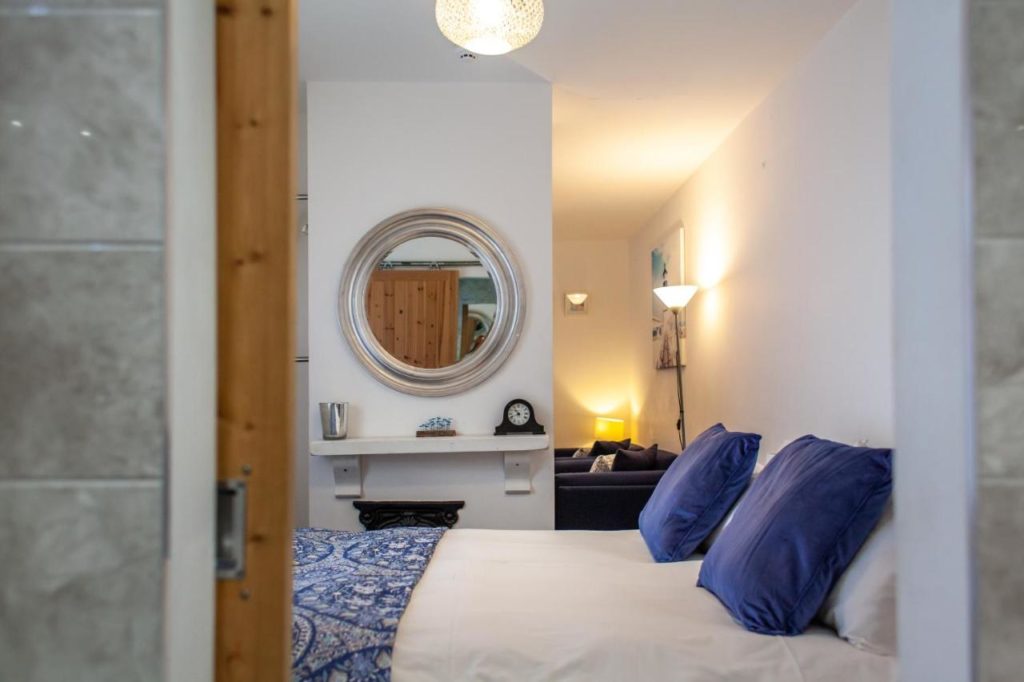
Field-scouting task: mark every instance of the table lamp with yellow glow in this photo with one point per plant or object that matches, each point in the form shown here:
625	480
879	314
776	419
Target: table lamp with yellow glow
607	428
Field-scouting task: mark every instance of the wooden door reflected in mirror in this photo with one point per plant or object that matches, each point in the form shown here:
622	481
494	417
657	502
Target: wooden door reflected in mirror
430	303
415	315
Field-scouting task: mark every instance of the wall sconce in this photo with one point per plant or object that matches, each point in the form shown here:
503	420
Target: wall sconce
577	303
607	428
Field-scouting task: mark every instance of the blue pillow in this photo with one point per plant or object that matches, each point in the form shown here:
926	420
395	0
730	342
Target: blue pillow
697	491
795	532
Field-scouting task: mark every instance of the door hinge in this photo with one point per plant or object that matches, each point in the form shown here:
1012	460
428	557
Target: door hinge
231	511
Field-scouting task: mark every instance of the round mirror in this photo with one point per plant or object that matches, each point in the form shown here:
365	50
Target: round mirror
431	302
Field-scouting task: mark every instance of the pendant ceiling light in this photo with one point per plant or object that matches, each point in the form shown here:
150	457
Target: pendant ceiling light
490	26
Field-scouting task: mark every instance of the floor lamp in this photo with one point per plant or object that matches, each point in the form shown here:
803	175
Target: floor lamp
675	299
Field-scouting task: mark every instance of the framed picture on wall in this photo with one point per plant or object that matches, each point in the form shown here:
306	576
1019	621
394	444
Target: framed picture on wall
667	264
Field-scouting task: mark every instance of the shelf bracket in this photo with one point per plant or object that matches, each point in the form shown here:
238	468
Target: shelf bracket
348	475
517	473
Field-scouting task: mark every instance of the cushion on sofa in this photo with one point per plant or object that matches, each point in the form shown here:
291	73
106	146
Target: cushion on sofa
602	464
797	530
635	460
697	491
564	465
608	447
663	459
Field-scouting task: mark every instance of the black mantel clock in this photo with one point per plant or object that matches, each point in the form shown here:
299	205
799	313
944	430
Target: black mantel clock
518	418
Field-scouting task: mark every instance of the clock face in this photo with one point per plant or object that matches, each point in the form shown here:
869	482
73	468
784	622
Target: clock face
518	414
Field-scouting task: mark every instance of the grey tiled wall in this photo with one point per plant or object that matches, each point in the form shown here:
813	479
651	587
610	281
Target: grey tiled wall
997	73
82	381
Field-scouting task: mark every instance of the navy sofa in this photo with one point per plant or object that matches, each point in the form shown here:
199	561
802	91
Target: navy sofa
610	500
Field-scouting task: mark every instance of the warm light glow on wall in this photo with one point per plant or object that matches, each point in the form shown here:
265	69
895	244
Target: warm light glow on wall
710	304
591	395
607	428
595	395
713	253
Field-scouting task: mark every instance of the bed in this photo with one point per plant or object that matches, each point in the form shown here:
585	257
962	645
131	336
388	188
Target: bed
580	605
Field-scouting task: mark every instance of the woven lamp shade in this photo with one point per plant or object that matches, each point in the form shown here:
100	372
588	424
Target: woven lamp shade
490	27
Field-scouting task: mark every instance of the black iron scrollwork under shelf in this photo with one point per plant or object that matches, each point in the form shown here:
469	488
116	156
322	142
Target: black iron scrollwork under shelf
378	515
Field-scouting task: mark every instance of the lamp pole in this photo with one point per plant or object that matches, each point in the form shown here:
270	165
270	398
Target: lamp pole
675	298
681	424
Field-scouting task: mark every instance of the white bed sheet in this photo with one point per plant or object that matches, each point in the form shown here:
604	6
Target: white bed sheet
583	605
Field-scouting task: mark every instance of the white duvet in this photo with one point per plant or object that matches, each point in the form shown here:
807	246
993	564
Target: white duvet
582	605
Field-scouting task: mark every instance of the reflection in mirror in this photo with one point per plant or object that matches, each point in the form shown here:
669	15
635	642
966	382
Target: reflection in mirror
431	302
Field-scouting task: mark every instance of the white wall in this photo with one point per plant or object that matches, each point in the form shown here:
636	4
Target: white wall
934	299
376	149
788	231
592	367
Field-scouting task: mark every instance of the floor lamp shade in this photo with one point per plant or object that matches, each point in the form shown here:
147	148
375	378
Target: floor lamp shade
675	297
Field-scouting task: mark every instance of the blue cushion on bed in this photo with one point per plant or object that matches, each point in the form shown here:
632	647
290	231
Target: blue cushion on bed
697	491
795	532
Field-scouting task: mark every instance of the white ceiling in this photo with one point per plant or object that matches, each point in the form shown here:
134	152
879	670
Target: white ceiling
645	90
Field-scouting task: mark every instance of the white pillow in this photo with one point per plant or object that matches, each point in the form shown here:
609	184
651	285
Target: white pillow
862	605
582	452
602	463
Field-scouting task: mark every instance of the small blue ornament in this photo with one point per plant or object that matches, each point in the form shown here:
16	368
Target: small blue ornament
437	424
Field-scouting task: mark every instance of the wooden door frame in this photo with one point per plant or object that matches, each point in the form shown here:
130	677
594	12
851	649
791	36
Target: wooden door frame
256	69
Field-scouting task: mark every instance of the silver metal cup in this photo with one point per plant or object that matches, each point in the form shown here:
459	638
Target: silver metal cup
334	420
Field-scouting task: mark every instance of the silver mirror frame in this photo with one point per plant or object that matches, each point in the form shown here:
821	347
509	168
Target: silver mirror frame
494	255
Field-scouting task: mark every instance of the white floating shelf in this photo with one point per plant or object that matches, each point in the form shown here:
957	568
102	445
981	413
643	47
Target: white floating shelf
346	456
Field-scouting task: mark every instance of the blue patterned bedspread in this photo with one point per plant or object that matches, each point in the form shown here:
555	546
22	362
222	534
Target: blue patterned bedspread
350	590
